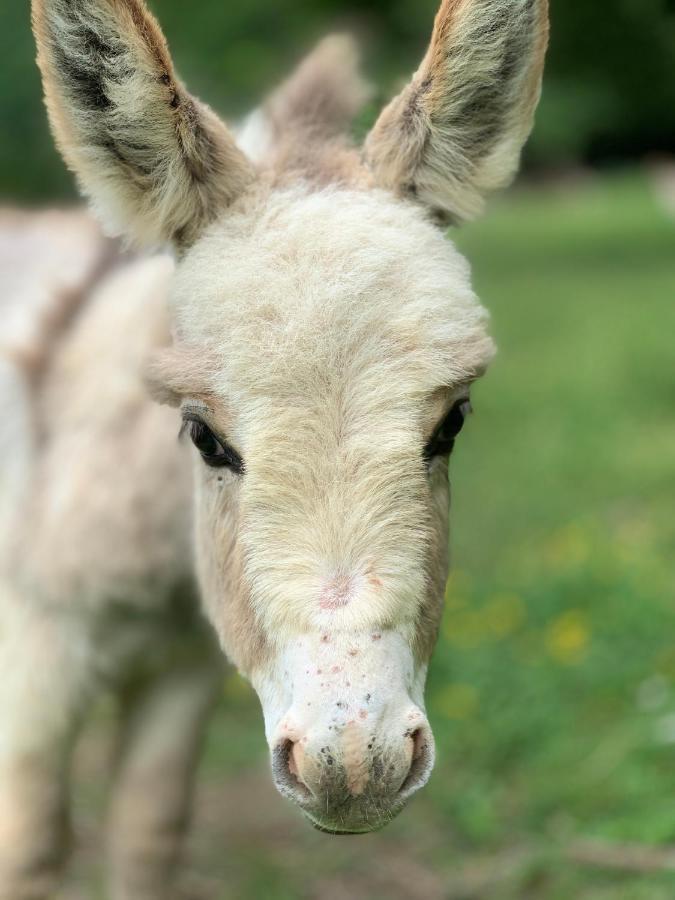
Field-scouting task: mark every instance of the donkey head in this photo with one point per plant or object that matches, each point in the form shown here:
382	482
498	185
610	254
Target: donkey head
325	340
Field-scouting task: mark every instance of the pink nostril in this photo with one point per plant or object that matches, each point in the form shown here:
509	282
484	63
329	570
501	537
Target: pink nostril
422	760
419	739
287	765
295	758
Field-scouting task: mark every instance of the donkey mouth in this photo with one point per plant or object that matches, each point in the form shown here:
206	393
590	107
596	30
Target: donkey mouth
342	823
333	831
345	832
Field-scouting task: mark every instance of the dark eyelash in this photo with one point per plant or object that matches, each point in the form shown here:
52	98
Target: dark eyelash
438	445
230	458
188	419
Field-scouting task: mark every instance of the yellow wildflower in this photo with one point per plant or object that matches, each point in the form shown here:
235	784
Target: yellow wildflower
567	637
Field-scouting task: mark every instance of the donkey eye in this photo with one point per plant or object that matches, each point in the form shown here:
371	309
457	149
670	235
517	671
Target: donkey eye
443	439
213	451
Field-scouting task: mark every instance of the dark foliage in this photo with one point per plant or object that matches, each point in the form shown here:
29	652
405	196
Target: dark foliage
610	88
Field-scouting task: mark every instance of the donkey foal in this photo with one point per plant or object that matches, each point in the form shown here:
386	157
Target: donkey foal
324	337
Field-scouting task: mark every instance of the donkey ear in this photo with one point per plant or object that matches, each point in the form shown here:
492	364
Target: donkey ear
158	164
455	133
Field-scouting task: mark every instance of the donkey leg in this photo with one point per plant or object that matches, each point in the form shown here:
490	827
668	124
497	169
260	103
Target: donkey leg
44	688
165	724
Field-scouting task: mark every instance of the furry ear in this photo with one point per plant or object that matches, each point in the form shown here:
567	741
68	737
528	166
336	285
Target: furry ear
455	133
315	105
158	164
324	94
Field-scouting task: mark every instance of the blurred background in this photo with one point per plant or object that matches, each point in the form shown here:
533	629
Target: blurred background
552	692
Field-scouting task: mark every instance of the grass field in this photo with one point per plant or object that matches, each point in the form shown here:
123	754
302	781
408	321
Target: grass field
552	693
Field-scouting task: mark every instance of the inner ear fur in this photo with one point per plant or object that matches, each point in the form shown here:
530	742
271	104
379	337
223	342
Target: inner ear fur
158	164
456	132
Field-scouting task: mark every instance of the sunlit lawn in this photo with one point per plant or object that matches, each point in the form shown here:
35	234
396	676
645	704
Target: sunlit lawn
552	692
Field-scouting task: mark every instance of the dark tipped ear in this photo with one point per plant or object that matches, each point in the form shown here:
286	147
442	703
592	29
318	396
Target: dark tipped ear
456	131
157	164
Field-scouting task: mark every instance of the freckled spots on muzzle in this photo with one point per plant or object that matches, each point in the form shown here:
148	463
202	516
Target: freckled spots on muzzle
355	782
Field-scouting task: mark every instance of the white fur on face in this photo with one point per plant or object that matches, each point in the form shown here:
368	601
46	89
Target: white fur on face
344	679
333	319
339	327
347	711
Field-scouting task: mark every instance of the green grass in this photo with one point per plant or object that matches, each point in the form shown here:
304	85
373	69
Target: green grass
552	691
560	629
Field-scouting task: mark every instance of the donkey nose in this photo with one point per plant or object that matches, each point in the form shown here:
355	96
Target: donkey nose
351	779
286	768
421	762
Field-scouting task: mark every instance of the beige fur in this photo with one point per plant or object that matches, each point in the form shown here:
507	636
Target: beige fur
322	327
300	132
455	132
342	383
96	584
142	148
47	263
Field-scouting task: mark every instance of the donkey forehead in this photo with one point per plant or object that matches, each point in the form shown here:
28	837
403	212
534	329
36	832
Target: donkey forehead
335	282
